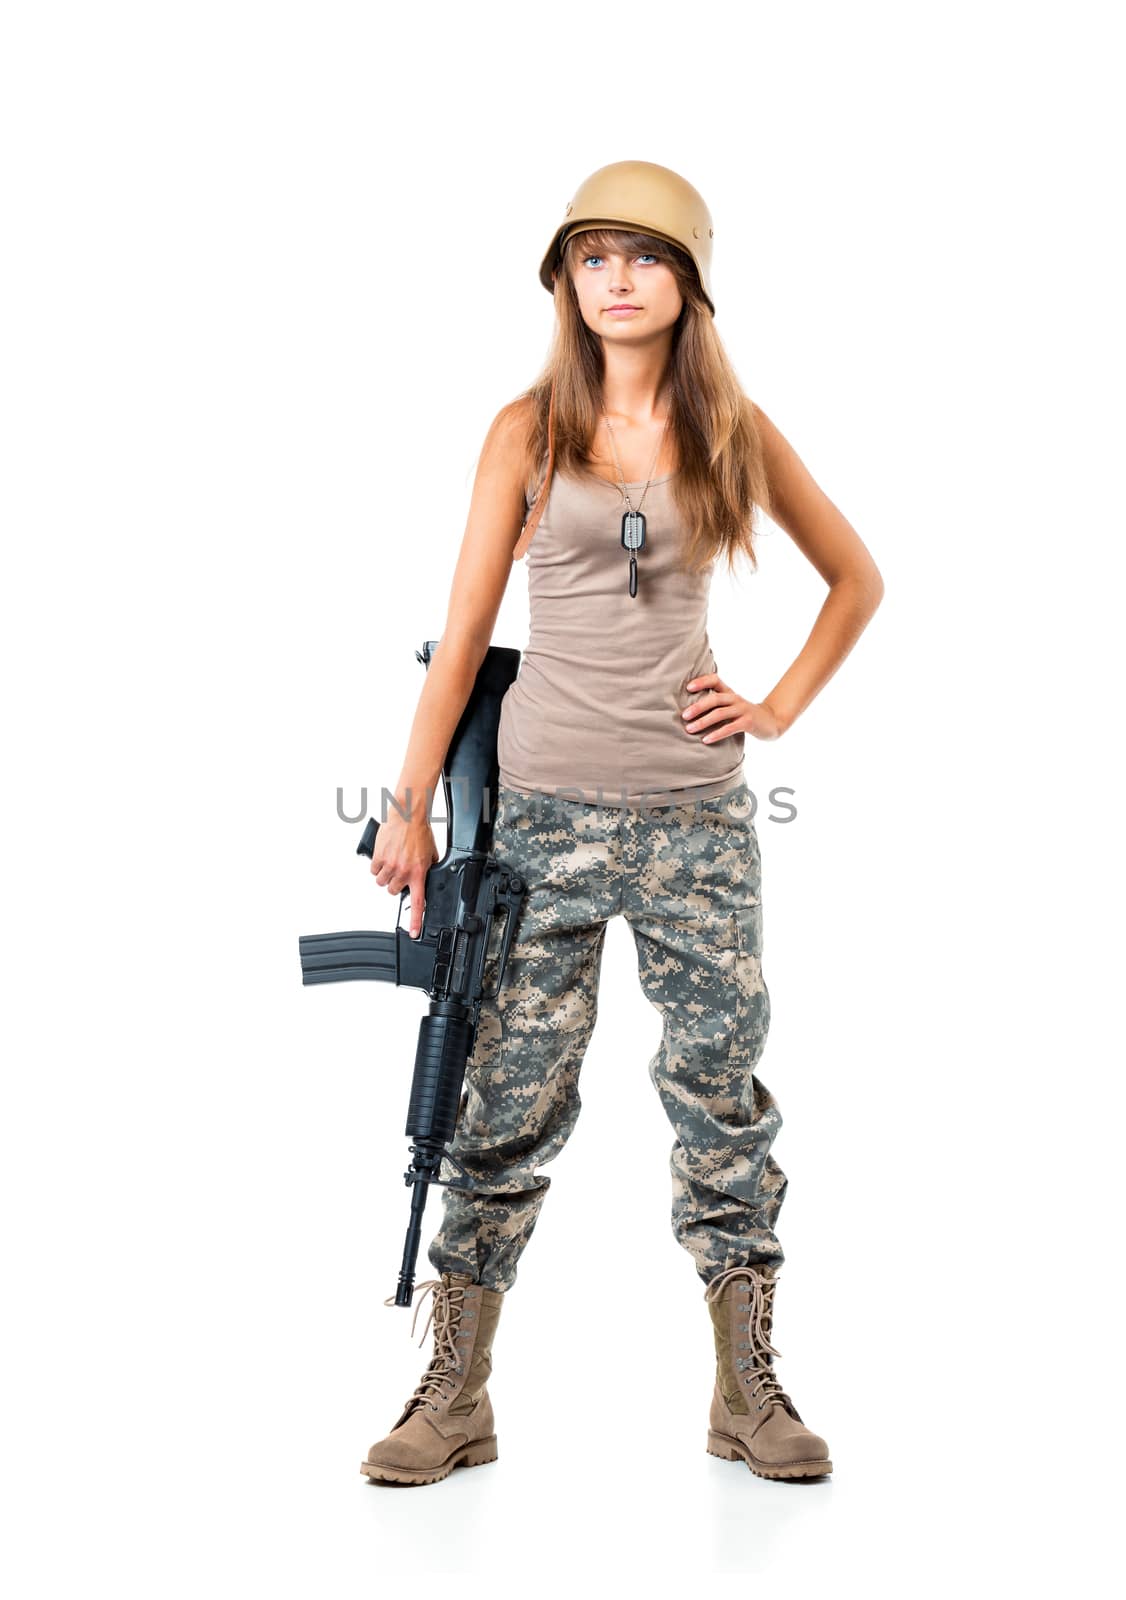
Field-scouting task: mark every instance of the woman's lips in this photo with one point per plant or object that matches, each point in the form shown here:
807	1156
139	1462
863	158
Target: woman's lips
622	311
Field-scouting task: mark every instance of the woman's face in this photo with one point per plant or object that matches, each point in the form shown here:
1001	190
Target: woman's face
607	279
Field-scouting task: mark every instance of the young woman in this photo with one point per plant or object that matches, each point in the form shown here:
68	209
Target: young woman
621	791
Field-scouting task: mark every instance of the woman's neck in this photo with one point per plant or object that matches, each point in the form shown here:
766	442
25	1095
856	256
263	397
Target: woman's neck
635	386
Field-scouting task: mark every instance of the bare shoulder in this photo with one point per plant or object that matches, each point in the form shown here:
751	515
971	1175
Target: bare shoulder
498	491
506	442
492	529
516	417
800	506
791	484
776	447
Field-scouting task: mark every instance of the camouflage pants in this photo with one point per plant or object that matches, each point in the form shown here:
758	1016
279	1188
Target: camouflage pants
687	879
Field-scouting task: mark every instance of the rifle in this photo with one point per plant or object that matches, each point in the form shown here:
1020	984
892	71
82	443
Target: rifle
470	895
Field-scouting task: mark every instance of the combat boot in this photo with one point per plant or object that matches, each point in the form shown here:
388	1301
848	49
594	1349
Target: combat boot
448	1420
752	1417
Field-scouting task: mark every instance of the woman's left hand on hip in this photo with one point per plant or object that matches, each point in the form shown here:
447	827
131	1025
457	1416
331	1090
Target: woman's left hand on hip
720	712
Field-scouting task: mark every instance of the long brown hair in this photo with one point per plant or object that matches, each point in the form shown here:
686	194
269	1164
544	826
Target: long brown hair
721	477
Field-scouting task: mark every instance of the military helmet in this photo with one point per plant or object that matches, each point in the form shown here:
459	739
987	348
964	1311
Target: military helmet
643	196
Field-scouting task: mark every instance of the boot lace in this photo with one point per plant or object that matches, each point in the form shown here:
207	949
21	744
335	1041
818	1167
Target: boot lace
445	1364
760	1378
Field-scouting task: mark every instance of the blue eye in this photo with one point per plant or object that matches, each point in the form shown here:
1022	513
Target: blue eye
644	257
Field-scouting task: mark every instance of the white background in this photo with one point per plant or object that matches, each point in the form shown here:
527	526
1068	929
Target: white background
270	272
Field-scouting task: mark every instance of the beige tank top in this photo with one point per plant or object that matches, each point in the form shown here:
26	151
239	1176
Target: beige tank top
594	712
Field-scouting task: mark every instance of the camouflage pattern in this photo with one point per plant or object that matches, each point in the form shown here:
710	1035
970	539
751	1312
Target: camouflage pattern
687	878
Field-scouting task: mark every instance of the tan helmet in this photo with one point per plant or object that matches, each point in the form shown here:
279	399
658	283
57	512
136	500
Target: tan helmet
642	195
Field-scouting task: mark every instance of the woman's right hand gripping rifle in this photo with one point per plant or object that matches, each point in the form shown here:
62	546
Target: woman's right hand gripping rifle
403	853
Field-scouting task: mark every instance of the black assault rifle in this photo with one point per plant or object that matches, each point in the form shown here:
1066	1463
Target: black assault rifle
469	894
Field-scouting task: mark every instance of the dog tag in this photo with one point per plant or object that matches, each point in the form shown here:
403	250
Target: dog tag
633	530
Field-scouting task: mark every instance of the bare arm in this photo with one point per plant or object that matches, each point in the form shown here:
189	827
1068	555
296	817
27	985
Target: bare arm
405	850
831	544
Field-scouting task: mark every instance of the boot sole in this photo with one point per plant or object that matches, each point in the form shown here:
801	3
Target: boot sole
476	1454
719	1444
